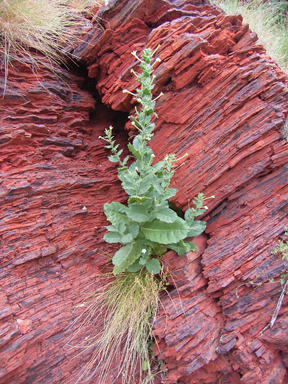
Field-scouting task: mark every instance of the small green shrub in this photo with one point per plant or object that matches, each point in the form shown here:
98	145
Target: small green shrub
282	248
147	226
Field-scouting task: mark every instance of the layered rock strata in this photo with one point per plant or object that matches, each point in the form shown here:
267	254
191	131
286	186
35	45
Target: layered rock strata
225	105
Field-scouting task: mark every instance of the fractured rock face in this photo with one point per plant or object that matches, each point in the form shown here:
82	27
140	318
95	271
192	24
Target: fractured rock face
224	104
55	179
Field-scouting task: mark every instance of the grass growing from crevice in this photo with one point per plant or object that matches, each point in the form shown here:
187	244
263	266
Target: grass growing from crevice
268	20
48	27
125	309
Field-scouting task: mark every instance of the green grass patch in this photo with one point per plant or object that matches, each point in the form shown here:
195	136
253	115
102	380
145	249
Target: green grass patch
269	20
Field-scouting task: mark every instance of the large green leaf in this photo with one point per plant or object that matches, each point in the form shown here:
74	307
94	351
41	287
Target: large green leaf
116	237
137	213
125	257
145	185
196	228
159	249
156	167
134	151
133	229
138	199
116	213
137	142
165	233
167	215
153	266
135	267
170	192
182	247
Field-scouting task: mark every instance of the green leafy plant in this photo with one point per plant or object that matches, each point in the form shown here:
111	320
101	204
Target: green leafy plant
282	248
127	305
147	226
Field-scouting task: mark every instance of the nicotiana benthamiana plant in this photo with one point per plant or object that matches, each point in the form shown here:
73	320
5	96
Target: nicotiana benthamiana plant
146	227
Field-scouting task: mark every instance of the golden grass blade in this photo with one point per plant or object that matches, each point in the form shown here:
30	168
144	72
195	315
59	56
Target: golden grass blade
48	27
126	308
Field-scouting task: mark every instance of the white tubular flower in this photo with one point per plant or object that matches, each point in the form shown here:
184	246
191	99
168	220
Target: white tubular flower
143	251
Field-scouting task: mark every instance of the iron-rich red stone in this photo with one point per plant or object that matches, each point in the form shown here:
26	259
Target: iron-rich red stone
225	105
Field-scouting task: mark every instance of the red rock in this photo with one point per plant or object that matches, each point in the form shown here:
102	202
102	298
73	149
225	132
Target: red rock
225	105
24	326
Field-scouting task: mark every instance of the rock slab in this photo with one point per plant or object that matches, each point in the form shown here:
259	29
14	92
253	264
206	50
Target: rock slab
225	105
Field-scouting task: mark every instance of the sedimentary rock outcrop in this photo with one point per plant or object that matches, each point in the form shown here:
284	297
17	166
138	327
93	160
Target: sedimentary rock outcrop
225	104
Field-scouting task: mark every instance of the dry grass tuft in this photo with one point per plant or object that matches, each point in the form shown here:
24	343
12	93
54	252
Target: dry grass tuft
125	308
43	26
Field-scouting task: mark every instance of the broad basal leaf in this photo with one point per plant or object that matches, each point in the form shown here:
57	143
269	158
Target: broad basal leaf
158	249
138	199
137	213
116	237
182	247
116	213
133	229
125	257
196	228
167	215
153	266
135	267
165	233
170	192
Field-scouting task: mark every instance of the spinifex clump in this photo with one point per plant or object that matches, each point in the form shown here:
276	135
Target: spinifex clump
124	309
146	227
48	27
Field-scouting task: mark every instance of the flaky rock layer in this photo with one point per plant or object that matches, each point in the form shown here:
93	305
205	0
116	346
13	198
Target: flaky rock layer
225	105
